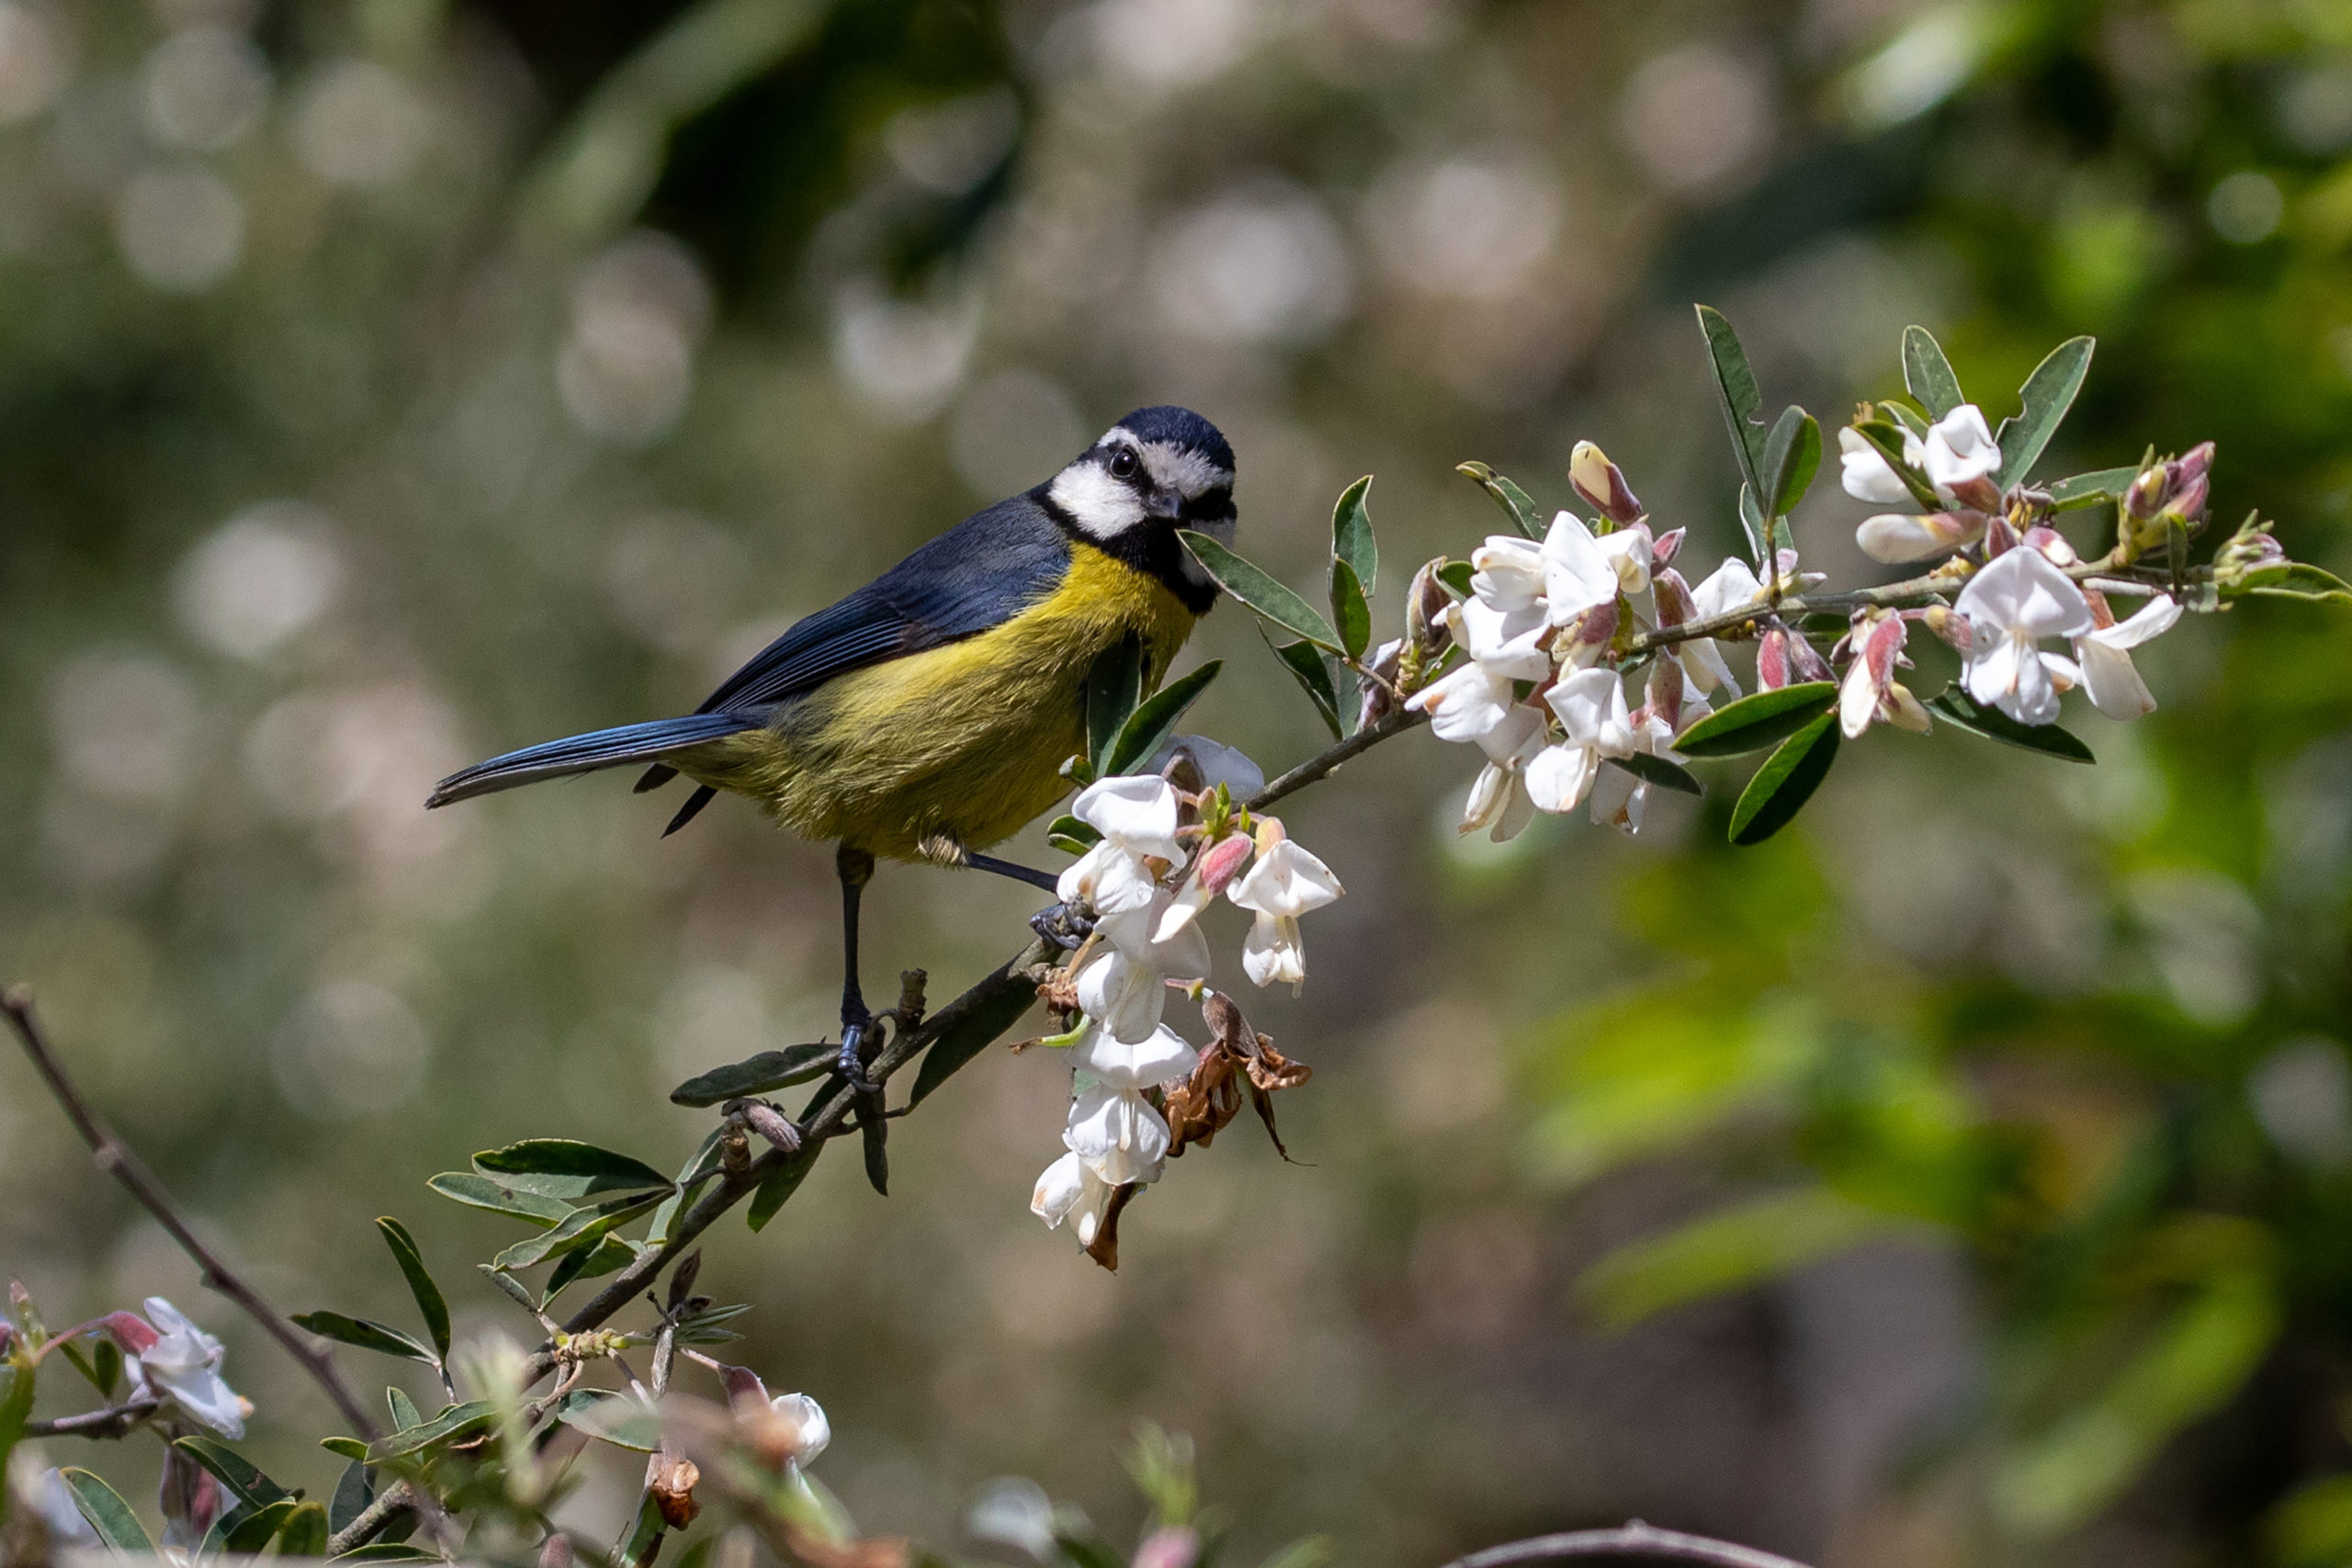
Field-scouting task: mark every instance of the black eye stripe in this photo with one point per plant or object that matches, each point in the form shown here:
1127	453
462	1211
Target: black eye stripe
1210	504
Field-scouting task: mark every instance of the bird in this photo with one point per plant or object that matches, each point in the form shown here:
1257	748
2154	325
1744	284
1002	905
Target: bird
927	716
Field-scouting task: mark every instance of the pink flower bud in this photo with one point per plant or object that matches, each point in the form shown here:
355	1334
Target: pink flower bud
1672	595
1999	538
1980	494
1222	860
2145	496
2189	502
1773	659
1665	693
1426	603
1170	1547
1663	548
2052	544
130	1332
1953	628
1602	483
2193	464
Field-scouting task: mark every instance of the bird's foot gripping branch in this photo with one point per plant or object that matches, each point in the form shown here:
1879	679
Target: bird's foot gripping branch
1573	652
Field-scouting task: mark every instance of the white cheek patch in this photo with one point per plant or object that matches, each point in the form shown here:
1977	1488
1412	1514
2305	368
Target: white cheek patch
1103	507
1186	472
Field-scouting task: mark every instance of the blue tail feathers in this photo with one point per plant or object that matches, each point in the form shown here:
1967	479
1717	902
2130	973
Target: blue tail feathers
587	753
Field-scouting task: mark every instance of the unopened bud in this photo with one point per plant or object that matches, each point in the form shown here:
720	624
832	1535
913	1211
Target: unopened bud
1979	493
2245	552
556	1551
1172	1546
2193	464
1664	547
1270	833
1221	861
1665	693
2052	544
1673	597
1602	483
770	1124
1999	538
1773	659
2188	503
1898	536
1949	625
1426	603
2144	497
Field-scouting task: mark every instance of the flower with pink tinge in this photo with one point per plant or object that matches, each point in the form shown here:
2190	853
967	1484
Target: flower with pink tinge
1214	869
1869	691
1285	883
1136	813
1960	450
2011	605
1070	1190
180	1363
2110	680
1900	537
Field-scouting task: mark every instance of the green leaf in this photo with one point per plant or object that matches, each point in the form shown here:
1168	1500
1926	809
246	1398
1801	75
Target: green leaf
305	1531
348	1448
1791	455
107	1513
1927	374
608	1417
234	1471
1351	538
404	1412
367	1335
389	1551
1757	721
480	1192
1351	611
1085	1550
2090	490
2298	580
1306	666
1307	1551
1071	836
1785	782
1905	415
637	1548
1888	439
708	1328
1659	771
352	1495
458	1420
430	1304
2047	394
584	1227
1257	590
1113	688
1457	575
567	1168
17	1386
757	1075
258	1530
607	1256
778	1185
1735	389
1517	504
1156	717
1956	705
1727	1250
966	1030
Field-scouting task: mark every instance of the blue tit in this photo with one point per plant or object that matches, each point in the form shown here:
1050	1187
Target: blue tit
927	716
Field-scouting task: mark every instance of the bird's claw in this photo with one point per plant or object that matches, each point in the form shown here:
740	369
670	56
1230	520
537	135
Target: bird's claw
851	1062
1066	925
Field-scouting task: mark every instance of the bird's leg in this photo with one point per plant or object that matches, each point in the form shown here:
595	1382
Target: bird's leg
1064	924
1045	879
856	868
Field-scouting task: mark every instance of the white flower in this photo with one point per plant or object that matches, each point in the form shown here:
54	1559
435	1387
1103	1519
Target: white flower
2110	680
1579	573
1216	762
183	1365
1285	883
808	1417
1124	988
1898	536
1070	1190
1871	691
1506	572
1113	1129
1474	703
1731	586
1498	801
2010	606
1136	813
1628	550
1960	448
1214	869
1867	475
1591	708
1503	642
1016	1513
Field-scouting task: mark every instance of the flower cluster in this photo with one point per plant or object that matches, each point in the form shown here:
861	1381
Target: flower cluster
171	1360
1164	853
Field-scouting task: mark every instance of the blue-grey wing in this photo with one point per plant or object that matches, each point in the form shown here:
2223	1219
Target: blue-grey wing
978	574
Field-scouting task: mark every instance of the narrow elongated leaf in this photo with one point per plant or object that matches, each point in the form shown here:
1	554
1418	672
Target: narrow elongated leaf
608	1255
1791	455
1351	611
1785	782
1457	575
1905	415
2047	394
1156	717
1757	720
305	1531
348	1448
1659	771
709	1327
1305	661
430	1304
404	1412
352	1495
584	1227
113	1519
1959	708
1927	374
1736	390
567	1168
1113	688
610	1417
233	1469
1517	504
778	1185
389	1551
2298	580
479	1191
1000	1001
258	1530
1257	589
757	1075
2090	490
1888	439
367	1335
1351	537
458	1420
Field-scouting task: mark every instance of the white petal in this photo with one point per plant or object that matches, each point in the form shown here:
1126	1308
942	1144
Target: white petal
1577	575
1151	936
2022	592
1272	951
1856	699
1560	776
1960	447
1287	880
816	1431
2110	680
1117	1134
1058	1190
2154	618
1628	550
1731	586
1134	1064
1866	473
1465	705
1507	642
1898	536
1137	810
1591	707
1703	661
1124	997
1216	762
1506	574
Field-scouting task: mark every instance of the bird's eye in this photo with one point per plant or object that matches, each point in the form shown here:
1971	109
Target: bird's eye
1125	465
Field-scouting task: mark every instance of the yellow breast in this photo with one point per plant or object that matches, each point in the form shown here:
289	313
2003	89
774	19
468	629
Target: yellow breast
963	742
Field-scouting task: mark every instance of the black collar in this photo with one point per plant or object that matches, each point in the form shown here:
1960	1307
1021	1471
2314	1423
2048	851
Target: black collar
1152	550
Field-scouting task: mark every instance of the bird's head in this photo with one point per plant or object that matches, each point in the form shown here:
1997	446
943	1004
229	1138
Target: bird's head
1156	471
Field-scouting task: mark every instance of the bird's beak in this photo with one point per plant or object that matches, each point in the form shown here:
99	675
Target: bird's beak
1162	507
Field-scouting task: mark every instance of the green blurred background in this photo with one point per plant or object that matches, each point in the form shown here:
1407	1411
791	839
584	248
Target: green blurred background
1964	1178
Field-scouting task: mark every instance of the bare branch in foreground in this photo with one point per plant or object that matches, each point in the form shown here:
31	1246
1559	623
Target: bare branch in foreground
1633	1539
114	1421
115	1157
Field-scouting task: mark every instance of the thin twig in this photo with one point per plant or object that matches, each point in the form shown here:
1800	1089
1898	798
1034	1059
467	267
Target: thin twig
1326	762
114	1421
1635	1539
115	1157
372	1519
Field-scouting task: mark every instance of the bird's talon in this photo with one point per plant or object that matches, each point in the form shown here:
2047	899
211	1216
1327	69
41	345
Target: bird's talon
1066	925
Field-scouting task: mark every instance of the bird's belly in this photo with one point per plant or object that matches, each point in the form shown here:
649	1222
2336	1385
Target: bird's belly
961	743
